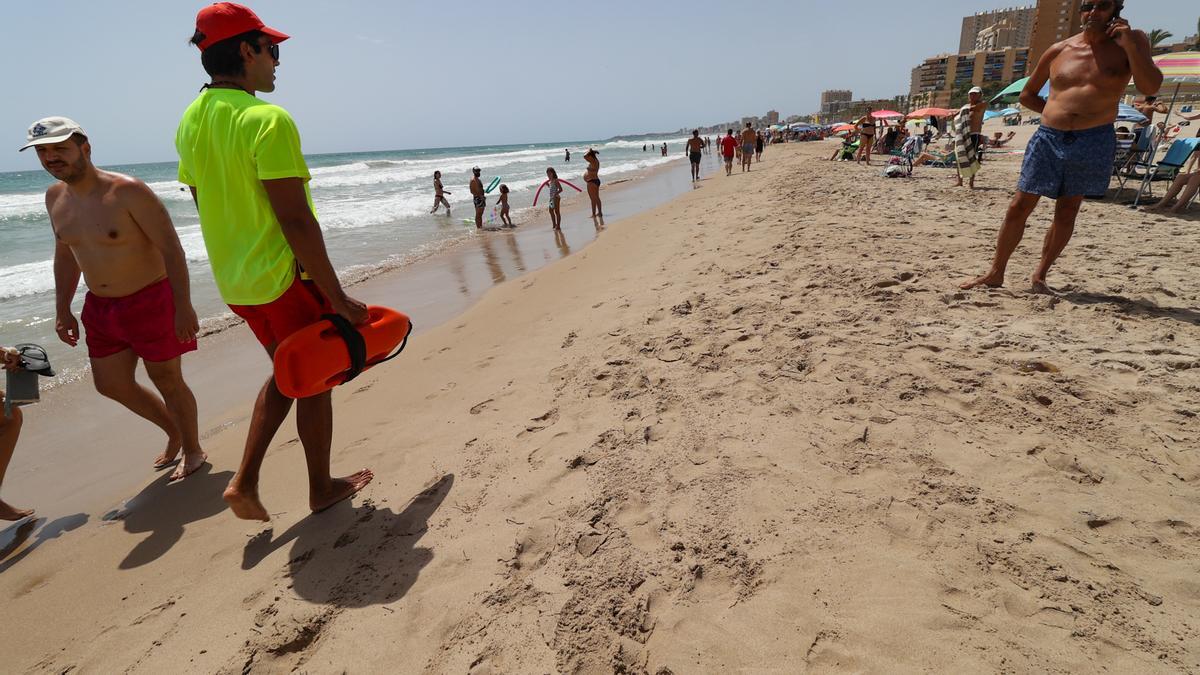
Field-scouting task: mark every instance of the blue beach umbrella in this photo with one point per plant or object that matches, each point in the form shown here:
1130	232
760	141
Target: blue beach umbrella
1128	113
1007	112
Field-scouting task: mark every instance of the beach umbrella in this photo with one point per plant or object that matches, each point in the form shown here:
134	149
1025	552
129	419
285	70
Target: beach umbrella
886	115
932	112
1181	69
1128	113
843	128
1007	112
1012	93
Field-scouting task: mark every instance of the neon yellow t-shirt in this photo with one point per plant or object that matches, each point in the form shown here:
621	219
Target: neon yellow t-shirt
228	143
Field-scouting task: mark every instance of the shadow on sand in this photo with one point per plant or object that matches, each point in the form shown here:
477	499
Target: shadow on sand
163	509
14	538
1133	307
355	556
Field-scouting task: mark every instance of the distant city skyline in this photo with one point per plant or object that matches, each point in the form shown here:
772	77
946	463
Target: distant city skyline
373	75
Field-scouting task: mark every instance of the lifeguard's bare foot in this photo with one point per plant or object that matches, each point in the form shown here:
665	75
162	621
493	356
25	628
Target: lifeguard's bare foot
168	456
9	512
245	504
989	280
191	464
342	488
1040	287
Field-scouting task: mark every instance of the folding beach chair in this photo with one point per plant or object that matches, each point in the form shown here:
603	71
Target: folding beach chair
1181	150
1140	156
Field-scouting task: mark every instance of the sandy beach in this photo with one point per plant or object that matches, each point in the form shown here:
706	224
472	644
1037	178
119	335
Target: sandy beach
754	429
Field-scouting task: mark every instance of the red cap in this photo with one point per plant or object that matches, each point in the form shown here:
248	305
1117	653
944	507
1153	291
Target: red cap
223	20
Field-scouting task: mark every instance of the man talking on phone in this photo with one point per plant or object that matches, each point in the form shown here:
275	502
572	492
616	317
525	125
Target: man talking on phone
1071	155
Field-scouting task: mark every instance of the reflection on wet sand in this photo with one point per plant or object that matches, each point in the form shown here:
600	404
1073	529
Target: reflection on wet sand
560	240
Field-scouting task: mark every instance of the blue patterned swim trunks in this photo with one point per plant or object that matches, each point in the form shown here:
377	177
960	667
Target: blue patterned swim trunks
1069	163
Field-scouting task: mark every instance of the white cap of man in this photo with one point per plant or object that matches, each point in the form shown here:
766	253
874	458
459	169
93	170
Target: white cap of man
975	90
51	130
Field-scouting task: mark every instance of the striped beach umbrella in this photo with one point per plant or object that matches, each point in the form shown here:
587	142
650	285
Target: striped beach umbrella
1180	67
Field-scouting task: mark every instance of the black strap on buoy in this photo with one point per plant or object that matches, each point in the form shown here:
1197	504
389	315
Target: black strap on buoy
355	345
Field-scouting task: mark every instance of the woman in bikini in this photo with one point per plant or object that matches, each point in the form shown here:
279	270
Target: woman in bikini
866	133
592	176
555	198
439	194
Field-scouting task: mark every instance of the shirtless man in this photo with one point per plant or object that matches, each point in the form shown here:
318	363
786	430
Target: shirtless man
975	107
1071	154
439	194
10	430
695	151
748	137
114	230
478	197
1148	106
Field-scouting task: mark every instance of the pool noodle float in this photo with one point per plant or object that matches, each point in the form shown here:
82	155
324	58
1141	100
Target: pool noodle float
539	190
492	186
321	356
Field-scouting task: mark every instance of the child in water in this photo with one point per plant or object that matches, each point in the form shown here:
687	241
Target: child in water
555	198
504	206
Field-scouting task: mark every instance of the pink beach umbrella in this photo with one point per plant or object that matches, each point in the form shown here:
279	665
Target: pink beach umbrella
886	115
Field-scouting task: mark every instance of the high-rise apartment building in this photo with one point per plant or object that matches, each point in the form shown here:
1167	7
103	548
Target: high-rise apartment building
772	117
1018	20
831	98
935	81
1056	20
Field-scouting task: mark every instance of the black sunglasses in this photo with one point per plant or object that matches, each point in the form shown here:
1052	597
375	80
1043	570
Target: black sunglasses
1102	5
272	49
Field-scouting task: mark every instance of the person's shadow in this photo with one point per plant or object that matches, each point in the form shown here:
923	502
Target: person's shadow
1133	307
21	533
355	556
163	509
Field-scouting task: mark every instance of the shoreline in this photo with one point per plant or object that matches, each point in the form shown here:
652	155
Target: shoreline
227	370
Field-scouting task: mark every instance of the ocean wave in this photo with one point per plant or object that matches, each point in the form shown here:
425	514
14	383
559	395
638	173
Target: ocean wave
30	278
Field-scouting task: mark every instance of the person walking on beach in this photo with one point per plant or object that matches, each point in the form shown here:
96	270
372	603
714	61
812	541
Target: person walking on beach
747	147
758	146
242	159
1071	154
555	198
728	150
10	431
866	135
439	194
971	117
695	151
113	230
478	197
592	177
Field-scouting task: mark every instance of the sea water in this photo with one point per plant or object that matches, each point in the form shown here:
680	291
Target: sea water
373	207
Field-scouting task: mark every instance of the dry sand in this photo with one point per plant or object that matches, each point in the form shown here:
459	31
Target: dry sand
756	430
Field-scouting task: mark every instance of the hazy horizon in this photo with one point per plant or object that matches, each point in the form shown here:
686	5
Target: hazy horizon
366	76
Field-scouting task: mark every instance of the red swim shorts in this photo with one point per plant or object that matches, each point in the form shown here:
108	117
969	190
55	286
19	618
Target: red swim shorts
302	304
143	322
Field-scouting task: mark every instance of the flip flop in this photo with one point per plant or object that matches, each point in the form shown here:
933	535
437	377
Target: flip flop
175	479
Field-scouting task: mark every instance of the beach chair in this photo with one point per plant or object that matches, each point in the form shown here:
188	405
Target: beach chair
1177	156
1140	157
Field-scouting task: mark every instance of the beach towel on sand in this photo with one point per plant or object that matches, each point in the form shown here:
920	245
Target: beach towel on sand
964	145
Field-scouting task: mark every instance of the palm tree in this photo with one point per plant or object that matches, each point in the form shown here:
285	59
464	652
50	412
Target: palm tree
1158	35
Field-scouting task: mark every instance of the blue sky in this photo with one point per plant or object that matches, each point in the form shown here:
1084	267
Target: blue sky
376	75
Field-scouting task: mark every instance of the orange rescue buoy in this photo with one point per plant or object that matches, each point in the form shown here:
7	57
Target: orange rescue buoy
319	357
